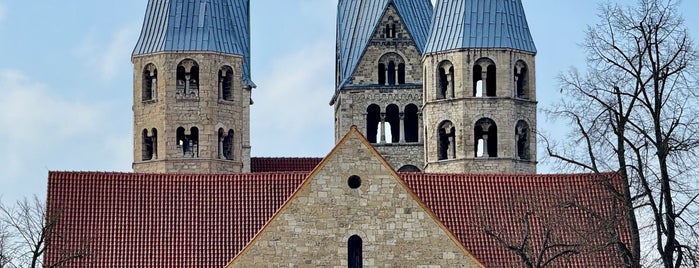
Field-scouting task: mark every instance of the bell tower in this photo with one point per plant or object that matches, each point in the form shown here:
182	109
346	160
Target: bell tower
480	93
379	76
191	92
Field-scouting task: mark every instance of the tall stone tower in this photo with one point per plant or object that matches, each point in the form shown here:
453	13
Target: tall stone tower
480	93
192	87
379	75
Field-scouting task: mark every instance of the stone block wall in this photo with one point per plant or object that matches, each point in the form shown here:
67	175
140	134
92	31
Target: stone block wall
205	110
464	110
313	228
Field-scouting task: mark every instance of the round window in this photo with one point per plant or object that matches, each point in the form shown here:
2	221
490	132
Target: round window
354	182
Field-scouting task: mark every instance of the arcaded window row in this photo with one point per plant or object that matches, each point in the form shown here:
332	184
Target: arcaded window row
187	81
187	143
484	79
392	125
485	134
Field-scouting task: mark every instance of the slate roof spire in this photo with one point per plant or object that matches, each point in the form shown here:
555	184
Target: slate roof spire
459	24
197	25
357	21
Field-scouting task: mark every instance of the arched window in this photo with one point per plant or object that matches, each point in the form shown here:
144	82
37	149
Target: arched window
391	73
225	144
522	138
409	168
391	69
393	118
447	141
521	79
225	83
486	138
390	28
382	74
150	83
354	252
147	146
411	123
484	78
401	73
373	122
189	144
445	81
187	78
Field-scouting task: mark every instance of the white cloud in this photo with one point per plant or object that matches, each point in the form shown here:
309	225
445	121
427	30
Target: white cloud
43	129
108	55
291	103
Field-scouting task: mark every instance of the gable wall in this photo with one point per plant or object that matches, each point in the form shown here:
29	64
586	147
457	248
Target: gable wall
313	228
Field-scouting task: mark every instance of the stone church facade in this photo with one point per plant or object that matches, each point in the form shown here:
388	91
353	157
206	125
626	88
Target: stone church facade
434	166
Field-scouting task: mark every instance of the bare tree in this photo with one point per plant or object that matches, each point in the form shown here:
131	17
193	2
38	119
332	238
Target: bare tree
634	110
537	257
29	232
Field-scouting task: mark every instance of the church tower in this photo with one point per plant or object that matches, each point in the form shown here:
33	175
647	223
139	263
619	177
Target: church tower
192	87
480	93
379	75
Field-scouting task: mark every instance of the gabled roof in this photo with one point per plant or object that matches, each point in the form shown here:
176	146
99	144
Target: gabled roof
197	25
169	220
162	220
459	24
353	154
357	21
285	164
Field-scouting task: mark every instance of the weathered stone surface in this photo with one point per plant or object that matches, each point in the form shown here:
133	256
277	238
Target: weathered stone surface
312	229
463	109
169	110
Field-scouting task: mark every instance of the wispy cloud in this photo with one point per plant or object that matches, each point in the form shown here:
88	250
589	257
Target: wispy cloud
291	104
40	126
108	55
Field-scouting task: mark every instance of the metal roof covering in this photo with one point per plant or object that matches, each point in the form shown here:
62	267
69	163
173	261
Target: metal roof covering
357	21
197	25
460	24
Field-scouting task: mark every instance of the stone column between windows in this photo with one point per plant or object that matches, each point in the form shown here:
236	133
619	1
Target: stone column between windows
486	130
484	83
450	87
154	88
419	124
402	127
452	145
220	146
382	126
220	86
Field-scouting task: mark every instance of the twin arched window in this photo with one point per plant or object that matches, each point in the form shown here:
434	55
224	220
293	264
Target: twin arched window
391	69
188	78
522	134
225	83
188	142
390	28
149	145
225	144
445	83
486	138
484	78
446	146
150	83
521	75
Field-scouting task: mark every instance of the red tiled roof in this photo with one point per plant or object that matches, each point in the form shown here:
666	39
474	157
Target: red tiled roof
281	164
158	220
469	204
166	220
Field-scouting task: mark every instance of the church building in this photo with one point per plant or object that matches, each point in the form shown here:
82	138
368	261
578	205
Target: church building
434	163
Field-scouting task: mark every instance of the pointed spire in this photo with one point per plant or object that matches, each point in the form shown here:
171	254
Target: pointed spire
357	21
197	25
458	24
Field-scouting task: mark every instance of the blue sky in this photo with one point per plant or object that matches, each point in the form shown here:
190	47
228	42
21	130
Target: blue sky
66	79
